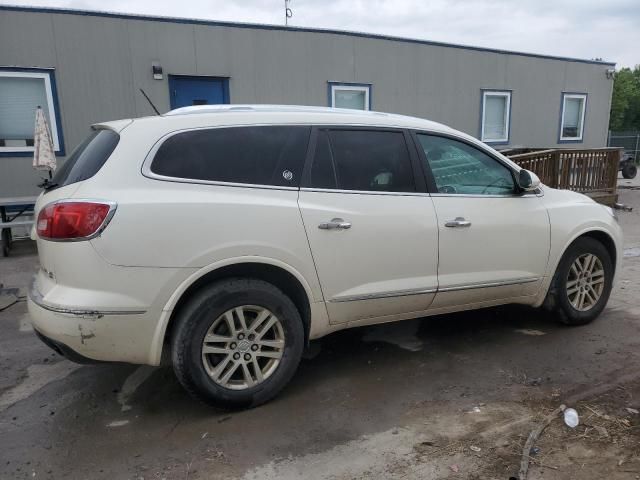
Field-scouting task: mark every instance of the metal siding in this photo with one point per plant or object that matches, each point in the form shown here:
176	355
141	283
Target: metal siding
101	61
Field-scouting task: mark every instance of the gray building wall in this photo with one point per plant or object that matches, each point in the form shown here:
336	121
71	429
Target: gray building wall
101	61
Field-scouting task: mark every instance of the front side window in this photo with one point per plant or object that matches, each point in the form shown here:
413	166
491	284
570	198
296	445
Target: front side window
355	96
363	160
572	119
459	168
269	155
21	93
496	112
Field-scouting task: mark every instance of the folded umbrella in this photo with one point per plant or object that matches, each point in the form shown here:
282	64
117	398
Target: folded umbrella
44	157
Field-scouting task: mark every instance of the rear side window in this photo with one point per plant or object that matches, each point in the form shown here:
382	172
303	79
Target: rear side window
362	160
88	157
270	155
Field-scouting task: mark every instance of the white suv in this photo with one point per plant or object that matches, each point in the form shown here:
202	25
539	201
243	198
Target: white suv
228	237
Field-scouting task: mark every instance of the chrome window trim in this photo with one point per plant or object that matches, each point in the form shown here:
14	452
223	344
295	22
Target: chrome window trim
423	291
148	159
364	192
36	297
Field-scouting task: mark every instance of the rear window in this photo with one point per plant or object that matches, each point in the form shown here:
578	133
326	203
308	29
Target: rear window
88	157
269	155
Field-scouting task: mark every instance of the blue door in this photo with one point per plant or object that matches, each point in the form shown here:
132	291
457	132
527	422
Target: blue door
187	91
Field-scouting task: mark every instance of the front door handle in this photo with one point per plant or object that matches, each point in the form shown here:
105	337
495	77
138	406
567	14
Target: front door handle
335	224
458	223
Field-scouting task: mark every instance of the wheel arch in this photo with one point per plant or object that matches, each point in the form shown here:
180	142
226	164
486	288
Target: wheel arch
283	276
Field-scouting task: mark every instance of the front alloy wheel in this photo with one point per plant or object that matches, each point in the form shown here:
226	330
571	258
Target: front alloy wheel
585	282
582	283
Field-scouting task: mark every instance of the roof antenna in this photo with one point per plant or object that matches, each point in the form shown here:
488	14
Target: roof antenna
288	13
150	102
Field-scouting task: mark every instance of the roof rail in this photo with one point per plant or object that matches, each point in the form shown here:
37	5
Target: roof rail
264	108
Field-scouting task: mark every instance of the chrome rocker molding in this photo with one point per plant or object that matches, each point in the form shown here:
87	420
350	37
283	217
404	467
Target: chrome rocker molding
36	297
405	293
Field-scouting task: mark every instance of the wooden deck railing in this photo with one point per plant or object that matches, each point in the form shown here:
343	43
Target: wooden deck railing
593	172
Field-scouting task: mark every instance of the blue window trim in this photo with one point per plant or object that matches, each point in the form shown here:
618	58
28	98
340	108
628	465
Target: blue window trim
174	76
331	84
56	106
495	90
584	117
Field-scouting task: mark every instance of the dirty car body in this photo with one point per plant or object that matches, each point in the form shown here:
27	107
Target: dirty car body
226	238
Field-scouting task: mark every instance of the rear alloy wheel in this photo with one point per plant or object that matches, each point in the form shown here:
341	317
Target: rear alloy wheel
237	343
243	347
582	283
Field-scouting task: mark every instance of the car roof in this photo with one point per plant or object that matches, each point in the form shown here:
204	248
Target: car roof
228	115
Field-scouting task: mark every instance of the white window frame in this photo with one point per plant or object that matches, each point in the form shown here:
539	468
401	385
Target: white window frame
53	123
507	115
583	97
359	87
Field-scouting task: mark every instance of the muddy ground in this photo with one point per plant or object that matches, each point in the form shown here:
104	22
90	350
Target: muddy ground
444	397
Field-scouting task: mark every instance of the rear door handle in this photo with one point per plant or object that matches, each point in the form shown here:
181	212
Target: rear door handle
458	222
335	224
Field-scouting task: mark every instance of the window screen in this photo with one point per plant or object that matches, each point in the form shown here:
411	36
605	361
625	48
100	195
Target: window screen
572	117
459	168
495	120
270	155
19	98
362	160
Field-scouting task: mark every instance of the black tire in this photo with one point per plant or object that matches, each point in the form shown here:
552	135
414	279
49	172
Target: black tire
199	313
558	298
629	170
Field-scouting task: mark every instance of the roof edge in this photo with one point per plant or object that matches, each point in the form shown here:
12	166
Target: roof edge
264	26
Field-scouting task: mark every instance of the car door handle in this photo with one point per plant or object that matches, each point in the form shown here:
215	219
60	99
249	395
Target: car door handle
335	224
458	223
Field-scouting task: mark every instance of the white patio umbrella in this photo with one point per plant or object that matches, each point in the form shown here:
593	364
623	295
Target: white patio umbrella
44	157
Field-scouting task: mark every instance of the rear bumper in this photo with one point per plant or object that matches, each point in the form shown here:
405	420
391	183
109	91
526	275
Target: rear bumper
92	335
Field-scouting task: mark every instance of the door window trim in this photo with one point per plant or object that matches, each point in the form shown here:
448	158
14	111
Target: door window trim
418	177
430	179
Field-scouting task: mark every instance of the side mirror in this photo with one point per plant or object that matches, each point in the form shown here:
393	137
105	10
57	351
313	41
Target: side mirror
528	181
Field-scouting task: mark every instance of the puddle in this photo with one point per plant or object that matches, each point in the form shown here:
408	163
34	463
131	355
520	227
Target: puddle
529	331
37	377
400	334
131	384
632	252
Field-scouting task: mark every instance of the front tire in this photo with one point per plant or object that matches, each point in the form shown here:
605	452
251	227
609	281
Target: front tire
582	283
237	343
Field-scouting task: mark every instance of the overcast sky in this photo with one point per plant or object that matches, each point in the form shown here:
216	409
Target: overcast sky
607	29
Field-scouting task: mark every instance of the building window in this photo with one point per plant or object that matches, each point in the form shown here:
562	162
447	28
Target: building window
496	116
21	92
356	96
572	117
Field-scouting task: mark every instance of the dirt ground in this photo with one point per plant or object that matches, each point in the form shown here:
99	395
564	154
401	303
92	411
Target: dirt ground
449	397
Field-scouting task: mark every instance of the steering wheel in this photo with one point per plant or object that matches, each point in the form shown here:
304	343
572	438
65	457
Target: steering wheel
495	182
447	189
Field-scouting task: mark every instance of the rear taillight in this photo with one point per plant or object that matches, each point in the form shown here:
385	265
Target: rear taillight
69	220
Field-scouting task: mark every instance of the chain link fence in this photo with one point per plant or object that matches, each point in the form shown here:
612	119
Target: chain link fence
629	140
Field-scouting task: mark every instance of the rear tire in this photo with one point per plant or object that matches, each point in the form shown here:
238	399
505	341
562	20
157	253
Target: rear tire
245	325
582	283
629	170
